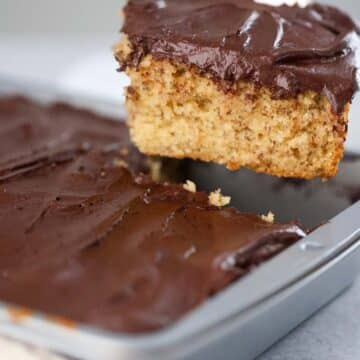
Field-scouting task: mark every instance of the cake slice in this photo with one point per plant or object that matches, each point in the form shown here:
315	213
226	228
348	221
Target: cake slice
240	83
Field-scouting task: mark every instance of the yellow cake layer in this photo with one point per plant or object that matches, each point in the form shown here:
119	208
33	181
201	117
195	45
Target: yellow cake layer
175	112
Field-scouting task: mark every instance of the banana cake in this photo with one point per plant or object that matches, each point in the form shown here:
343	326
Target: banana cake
240	83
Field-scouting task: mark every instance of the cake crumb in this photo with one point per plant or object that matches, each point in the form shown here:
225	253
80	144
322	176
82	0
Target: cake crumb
216	198
155	166
120	163
124	151
269	218
190	186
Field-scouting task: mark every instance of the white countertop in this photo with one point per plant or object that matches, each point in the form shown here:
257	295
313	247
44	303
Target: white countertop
84	63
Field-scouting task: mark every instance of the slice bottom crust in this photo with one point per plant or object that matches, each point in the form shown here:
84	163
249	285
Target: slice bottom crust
175	112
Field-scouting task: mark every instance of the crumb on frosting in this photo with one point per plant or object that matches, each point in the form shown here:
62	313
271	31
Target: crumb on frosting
120	163
216	198
190	186
155	165
124	151
269	218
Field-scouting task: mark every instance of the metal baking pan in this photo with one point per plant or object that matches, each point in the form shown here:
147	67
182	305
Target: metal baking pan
241	322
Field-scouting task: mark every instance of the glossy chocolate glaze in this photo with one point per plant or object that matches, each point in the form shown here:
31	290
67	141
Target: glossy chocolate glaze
289	50
32	136
88	239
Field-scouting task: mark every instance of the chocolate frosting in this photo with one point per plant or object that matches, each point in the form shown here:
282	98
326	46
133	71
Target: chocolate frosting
84	237
32	136
289	50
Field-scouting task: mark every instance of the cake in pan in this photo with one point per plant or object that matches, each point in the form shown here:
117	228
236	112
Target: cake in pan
240	83
86	234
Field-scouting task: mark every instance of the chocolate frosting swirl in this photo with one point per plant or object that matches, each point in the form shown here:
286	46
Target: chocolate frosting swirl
289	50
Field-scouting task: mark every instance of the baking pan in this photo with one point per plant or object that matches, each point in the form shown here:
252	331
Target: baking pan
239	323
